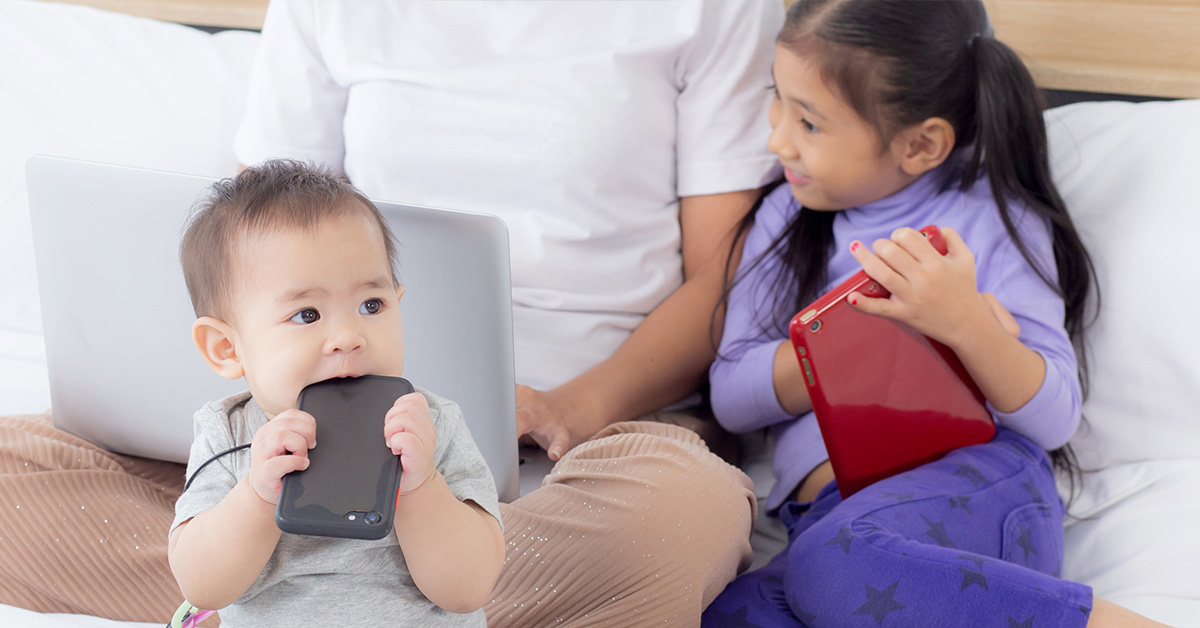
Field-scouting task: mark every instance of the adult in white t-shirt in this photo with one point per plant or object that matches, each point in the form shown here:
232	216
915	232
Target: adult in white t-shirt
620	142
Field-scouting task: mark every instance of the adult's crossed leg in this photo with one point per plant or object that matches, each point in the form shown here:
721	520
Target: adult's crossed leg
641	525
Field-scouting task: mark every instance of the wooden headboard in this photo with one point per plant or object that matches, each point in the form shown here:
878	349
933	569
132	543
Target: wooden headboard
1136	47
1132	47
217	13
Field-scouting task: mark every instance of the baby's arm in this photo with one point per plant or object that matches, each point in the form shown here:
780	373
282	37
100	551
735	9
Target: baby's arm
217	555
454	549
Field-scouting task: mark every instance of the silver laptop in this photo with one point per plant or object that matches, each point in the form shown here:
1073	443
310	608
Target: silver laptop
117	319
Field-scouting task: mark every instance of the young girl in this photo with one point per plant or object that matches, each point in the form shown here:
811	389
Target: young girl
888	116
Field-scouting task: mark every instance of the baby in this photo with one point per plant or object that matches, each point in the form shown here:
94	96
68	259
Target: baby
291	274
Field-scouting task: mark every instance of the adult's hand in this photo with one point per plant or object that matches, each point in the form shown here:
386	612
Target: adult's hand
555	419
669	353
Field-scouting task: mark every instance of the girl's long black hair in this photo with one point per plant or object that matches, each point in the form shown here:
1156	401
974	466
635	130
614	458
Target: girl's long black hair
898	63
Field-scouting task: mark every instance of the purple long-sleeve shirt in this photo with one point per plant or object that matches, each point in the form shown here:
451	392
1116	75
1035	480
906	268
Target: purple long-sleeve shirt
743	390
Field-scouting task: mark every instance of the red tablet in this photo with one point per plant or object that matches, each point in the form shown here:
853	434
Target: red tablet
887	398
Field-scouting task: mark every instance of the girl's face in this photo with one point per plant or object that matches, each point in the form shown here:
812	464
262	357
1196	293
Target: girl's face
832	158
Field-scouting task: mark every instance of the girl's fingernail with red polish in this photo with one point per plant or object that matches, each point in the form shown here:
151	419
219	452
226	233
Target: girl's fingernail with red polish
854	246
853	300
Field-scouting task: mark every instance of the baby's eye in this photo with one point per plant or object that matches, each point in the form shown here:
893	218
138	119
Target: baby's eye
307	316
370	306
808	125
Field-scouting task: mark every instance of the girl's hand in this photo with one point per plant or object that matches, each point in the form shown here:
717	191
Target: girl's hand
409	431
933	293
1003	316
280	447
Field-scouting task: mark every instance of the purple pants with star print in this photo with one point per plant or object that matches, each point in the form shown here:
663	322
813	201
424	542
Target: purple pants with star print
974	539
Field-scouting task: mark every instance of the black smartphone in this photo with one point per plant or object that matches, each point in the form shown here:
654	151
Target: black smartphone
349	488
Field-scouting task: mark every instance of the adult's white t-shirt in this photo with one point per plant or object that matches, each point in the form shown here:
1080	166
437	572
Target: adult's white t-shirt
580	124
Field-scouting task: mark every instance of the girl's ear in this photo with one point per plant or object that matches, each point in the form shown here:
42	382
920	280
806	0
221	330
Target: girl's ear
923	146
214	339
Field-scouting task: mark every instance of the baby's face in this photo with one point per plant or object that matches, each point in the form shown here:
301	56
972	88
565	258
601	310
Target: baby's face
313	305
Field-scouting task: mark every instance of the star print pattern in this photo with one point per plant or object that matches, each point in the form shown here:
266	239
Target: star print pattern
843	538
972	577
1028	623
880	602
960	501
937	532
1025	542
1034	493
975	558
959	544
971	472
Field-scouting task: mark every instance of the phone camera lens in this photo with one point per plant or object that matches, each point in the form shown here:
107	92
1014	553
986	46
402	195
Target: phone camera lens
815	326
372	518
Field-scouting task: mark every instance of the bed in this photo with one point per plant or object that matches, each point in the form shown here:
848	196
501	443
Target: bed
104	85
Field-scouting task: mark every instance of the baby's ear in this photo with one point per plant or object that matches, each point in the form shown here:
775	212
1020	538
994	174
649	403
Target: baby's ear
214	339
399	292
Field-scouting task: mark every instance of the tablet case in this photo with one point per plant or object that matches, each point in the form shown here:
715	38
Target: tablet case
887	398
349	488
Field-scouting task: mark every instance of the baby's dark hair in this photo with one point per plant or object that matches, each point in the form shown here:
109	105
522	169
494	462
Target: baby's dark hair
280	194
898	63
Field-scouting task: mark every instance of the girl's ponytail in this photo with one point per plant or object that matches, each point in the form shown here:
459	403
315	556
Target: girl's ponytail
1009	146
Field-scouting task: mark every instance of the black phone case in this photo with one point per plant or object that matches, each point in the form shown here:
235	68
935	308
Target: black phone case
349	488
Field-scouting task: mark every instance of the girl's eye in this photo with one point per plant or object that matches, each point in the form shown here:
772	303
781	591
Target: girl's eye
807	125
307	316
370	306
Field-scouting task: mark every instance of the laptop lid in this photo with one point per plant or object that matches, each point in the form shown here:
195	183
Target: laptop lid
117	318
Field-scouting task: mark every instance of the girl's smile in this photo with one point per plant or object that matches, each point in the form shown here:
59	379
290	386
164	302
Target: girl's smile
794	178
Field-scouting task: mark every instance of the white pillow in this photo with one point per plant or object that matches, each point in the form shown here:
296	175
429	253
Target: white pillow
89	84
1130	174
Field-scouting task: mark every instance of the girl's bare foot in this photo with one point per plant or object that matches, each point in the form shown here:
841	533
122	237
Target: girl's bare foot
1106	614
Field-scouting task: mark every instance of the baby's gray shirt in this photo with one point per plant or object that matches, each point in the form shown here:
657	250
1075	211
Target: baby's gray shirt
319	581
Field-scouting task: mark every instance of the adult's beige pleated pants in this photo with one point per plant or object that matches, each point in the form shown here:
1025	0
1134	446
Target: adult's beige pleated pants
639	526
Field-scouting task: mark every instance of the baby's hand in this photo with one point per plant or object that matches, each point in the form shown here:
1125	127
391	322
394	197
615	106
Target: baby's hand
409	431
933	293
280	447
